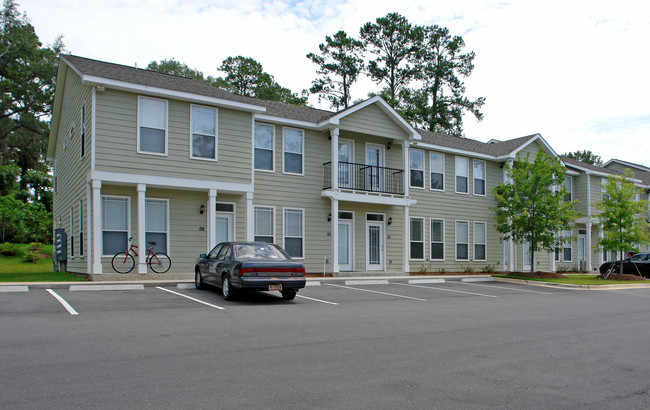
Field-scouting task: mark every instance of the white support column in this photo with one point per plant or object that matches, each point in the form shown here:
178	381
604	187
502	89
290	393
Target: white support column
407	237
588	246
335	235
405	163
601	235
334	133
97	227
212	219
250	218
142	237
553	268
88	223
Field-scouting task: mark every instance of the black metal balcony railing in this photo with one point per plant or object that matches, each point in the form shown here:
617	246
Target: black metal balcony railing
362	177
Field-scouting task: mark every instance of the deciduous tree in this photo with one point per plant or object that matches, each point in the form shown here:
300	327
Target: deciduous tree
586	156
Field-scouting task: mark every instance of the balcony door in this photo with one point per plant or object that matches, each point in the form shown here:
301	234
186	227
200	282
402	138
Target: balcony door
374	167
346	158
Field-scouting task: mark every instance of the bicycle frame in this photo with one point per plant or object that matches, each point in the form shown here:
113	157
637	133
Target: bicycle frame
150	254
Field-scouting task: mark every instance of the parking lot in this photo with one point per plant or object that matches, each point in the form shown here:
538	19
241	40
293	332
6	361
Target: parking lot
339	344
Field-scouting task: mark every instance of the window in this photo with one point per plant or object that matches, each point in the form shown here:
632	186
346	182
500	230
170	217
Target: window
603	191
417	238
264	146
294	222
566	247
83	130
115	217
292	145
479	177
81	228
152	126
204	133
437	166
568	183
72	232
417	168
437	239
462	240
480	241
462	175
156	224
264	224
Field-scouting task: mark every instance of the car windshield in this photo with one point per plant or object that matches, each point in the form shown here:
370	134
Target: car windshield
639	257
258	251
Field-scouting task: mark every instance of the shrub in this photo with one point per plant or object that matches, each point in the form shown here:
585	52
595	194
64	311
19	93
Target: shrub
32	256
423	269
442	270
9	249
561	269
35	247
466	269
488	269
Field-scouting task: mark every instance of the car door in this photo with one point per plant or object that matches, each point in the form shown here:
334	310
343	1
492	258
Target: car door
210	264
221	262
644	266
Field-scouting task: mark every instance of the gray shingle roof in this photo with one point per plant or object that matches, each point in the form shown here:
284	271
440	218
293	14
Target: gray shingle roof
495	149
570	161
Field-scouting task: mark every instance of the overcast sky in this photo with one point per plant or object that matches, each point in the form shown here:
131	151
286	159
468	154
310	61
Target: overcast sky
575	72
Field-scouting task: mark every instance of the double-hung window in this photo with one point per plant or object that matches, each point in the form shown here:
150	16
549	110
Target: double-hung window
81	227
72	232
115	219
417	168
566	247
294	222
462	175
479	177
462	240
263	145
264	226
152	125
417	238
437	240
156	224
204	133
292	147
437	166
480	241
83	130
568	183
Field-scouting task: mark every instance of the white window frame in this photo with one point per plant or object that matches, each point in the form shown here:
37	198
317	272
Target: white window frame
302	154
567	240
458	157
412	241
167	233
82	135
474	178
72	255
81	229
456	243
423	170
139	111
442	155
272	208
475	240
570	189
284	230
255	124
234	216
431	242
128	219
216	133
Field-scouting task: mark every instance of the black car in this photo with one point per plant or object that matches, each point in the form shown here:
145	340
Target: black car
637	264
239	266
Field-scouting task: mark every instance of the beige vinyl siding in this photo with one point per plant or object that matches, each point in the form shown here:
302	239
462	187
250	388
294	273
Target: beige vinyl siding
619	167
533	149
580	193
71	168
117	142
372	120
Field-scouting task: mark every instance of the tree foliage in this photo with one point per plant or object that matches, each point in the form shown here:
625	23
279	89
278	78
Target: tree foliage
622	216
586	156
174	67
339	64
531	207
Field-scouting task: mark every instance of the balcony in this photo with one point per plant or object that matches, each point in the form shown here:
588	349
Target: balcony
362	177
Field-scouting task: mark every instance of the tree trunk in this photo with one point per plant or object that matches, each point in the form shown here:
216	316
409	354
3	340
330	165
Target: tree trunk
532	257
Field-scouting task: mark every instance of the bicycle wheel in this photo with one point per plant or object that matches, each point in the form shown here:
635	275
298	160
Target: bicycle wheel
123	262
160	262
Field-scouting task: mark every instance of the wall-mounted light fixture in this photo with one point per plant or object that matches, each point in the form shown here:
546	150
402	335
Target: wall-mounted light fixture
202	209
390	144
390	220
329	218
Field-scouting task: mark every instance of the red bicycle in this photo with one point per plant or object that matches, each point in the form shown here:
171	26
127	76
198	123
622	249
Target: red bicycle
123	262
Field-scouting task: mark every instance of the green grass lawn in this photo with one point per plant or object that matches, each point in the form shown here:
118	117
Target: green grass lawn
15	269
581	280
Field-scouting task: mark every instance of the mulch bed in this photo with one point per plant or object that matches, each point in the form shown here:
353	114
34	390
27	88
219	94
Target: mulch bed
616	276
537	275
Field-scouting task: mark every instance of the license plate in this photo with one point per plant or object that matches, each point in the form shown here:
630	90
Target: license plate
275	287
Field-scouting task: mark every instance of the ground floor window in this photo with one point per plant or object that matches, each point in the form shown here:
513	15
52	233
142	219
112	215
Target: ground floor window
480	241
417	238
566	247
437	239
156	224
115	222
462	240
264	226
294	232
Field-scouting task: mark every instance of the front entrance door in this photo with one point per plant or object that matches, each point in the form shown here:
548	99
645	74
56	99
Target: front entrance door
345	245
582	240
375	246
225	228
526	250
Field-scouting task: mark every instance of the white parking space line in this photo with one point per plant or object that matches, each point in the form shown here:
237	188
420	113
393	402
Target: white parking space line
443	289
506	287
374	291
65	304
191	298
317	300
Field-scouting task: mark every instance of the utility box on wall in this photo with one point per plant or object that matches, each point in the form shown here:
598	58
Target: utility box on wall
60	245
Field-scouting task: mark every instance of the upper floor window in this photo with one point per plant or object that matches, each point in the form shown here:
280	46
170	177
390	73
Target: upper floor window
479	177
462	175
152	125
568	183
292	146
204	132
417	168
437	166
264	146
83	130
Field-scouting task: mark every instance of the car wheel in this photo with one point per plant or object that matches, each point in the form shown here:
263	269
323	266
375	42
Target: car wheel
289	294
198	280
226	288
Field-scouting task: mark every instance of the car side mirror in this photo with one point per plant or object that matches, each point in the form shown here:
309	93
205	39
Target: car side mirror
202	255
